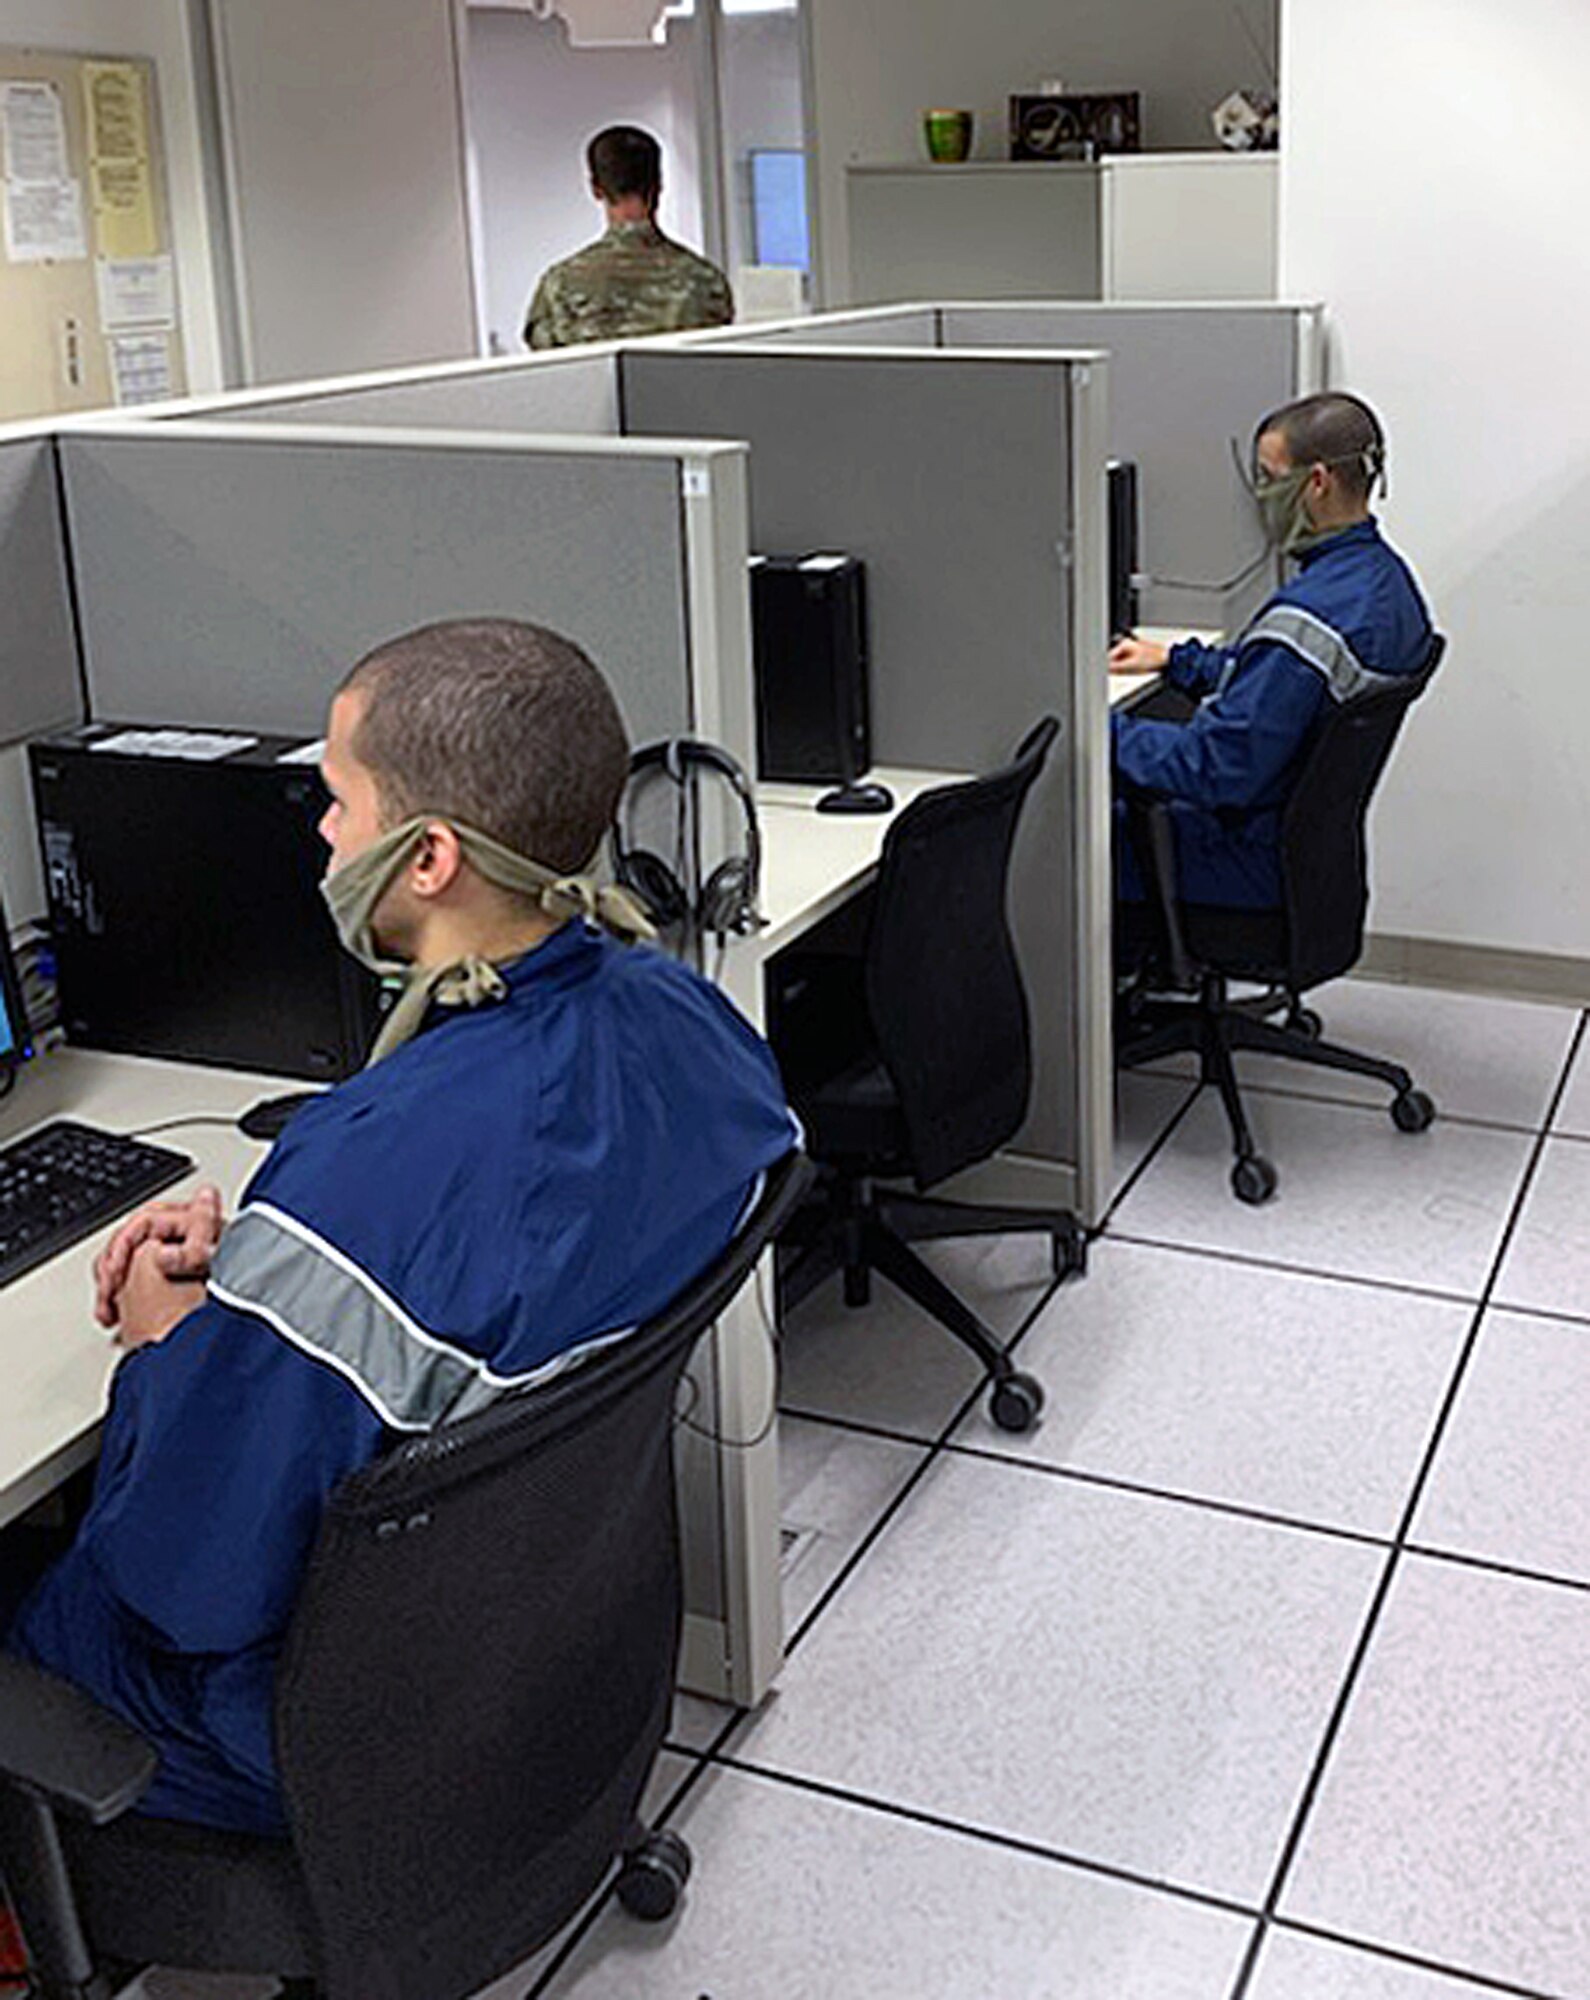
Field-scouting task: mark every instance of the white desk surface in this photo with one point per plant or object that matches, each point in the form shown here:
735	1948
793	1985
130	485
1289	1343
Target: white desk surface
55	1361
1123	687
812	861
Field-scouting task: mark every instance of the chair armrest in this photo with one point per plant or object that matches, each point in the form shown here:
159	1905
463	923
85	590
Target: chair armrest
58	1744
1153	837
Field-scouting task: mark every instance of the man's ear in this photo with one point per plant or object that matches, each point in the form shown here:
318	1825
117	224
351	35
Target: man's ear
435	868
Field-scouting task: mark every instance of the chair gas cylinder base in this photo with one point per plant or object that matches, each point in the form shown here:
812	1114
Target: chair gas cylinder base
1216	1027
1186	956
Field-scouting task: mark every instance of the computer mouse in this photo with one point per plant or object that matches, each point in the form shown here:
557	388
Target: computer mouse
857	799
272	1115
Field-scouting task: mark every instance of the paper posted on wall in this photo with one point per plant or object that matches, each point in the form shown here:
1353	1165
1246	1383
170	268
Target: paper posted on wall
44	222
140	367
135	291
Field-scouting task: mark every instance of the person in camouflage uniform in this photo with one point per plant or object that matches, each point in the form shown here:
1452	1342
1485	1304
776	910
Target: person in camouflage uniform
633	280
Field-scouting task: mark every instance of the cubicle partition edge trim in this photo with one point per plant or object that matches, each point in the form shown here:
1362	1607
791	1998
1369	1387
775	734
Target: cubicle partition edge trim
1090	763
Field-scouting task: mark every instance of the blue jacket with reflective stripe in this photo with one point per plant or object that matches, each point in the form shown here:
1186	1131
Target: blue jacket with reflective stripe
1352	615
520	1181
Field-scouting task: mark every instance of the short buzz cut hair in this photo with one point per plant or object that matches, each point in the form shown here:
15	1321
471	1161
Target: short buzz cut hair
1334	429
623	160
496	724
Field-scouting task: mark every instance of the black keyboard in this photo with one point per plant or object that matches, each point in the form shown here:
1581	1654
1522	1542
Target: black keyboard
64	1181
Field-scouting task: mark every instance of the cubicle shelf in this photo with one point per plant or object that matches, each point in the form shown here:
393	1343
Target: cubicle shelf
1131	226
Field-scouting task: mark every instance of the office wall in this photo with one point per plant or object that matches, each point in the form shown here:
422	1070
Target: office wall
1451	253
875	66
346	154
160	30
532	103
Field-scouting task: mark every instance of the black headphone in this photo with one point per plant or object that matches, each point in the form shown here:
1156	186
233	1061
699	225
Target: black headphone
727	901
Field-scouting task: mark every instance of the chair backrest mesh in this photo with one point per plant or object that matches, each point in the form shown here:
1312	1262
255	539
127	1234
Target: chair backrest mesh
1324	847
481	1662
944	990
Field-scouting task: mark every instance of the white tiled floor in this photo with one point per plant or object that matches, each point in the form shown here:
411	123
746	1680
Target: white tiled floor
1154	1704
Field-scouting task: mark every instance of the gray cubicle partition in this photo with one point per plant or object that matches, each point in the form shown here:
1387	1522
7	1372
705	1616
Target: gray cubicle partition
876	326
231	575
1186	382
566	395
971	486
40	687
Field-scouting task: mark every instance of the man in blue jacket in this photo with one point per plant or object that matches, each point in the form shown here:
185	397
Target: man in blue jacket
1350	617
556	1132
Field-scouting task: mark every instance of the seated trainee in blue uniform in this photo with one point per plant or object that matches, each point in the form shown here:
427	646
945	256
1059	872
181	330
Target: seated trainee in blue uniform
556	1133
1348	618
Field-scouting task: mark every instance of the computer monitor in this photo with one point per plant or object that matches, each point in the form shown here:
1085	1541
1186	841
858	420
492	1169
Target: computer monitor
780	234
15	1042
1123	533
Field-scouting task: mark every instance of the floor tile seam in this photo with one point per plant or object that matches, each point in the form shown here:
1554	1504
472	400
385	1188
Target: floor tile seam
1520	1128
1493	1566
934	1448
1298	1821
1568	1138
1155	1148
1397	1955
1202	1502
1011	1843
1219	1255
879	1527
1559	1314
858	1427
1537	1153
1300	1818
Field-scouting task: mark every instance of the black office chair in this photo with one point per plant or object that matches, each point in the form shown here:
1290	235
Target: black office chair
475	1686
938	1067
1188	953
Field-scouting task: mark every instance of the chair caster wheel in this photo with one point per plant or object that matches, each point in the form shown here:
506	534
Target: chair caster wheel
1253	1180
653	1876
1413	1111
1016	1402
1304	1021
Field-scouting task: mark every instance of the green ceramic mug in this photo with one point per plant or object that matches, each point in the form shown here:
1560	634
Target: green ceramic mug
948	135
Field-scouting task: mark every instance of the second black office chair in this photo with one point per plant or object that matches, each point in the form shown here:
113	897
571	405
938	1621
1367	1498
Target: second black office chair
1193	953
939	1070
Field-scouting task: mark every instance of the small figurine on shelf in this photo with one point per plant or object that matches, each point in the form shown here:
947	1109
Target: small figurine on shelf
1247	122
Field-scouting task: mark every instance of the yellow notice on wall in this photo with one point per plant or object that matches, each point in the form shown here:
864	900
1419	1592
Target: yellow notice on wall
118	160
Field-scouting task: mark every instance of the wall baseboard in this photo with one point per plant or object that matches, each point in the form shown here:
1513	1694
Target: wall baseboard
1477	968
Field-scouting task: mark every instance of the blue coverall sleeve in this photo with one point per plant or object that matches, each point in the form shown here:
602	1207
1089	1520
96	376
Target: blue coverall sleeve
222	1445
1196	668
1232	752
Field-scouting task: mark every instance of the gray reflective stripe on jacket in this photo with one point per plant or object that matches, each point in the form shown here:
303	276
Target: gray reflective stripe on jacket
272	1265
1319	646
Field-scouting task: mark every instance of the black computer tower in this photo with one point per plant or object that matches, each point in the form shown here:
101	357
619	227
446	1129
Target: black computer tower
809	616
183	881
